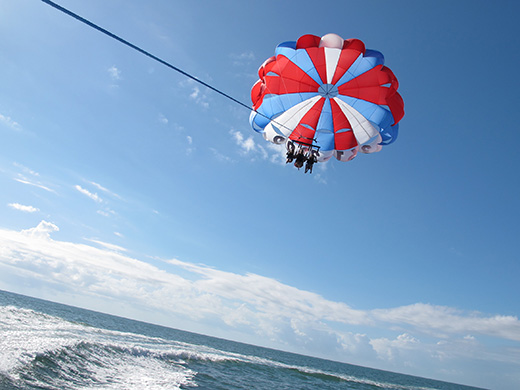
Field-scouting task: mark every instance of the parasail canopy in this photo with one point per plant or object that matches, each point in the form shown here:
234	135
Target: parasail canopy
328	93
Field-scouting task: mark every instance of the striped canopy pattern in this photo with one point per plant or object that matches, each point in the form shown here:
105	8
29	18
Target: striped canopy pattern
330	92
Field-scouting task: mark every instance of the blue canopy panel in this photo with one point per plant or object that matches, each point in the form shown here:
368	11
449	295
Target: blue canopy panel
325	121
325	139
289	44
274	105
389	134
380	58
257	122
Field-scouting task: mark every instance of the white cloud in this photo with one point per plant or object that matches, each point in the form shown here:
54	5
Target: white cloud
386	349
106	212
199	97
178	127
189	149
277	153
33	180
106	190
261	295
163	119
110	247
99	186
115	74
21	207
221	157
42	231
6	120
243	58
196	93
270	297
440	320
268	151
93	196
24	169
247	144
24	180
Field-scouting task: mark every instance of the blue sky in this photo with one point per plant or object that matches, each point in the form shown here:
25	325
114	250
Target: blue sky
129	189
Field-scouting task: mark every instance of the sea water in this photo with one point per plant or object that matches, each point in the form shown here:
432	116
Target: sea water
45	345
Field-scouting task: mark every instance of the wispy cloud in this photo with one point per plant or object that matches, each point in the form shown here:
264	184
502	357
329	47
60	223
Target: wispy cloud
196	92
178	127
24	180
25	170
104	189
243	58
12	124
32	180
110	247
106	212
220	156
249	147
388	349
199	97
24	208
246	144
189	149
92	195
441	320
163	119
114	73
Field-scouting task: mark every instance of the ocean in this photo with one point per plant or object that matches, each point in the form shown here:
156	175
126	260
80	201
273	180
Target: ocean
45	345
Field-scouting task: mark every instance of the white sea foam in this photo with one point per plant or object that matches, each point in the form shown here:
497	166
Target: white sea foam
83	355
27	333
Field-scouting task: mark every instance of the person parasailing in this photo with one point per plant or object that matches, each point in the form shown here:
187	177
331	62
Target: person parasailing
311	160
290	151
